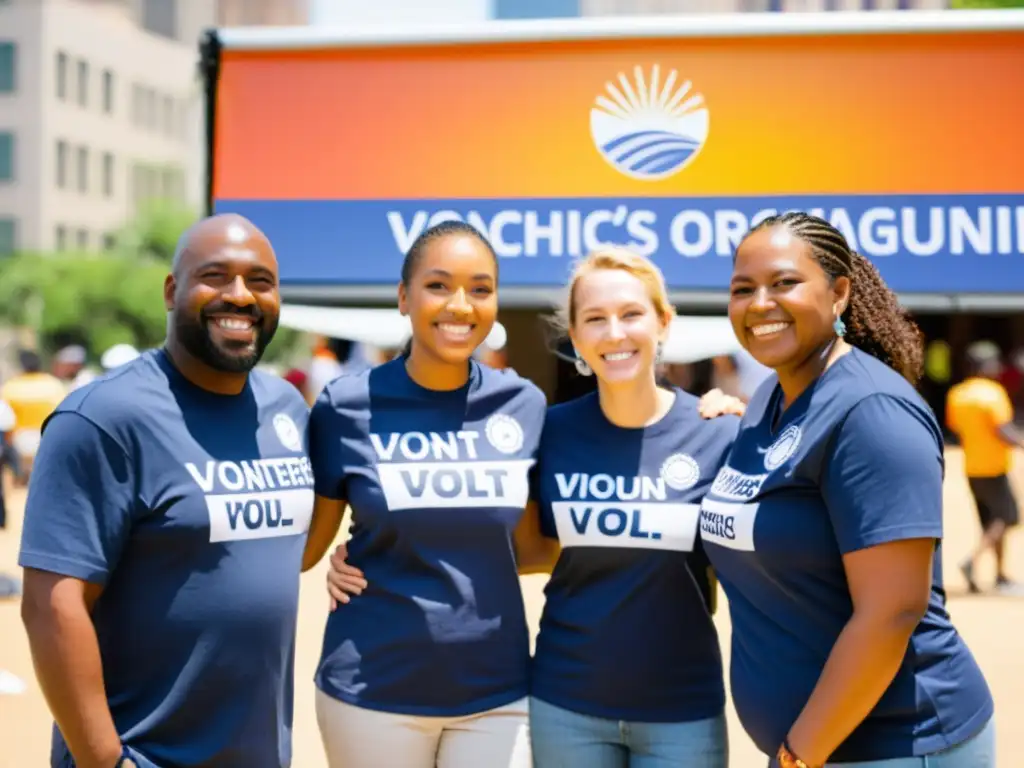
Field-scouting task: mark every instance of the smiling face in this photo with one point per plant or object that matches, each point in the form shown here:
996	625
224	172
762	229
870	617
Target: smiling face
451	297
782	304
615	326
223	296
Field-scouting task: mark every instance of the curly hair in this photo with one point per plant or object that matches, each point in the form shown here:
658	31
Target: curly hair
875	321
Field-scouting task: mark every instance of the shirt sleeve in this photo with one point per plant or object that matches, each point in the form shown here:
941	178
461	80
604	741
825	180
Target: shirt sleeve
999	406
547	522
81	501
325	448
883	481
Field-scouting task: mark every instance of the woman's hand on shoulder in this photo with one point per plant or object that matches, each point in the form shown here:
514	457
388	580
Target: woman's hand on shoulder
343	580
716	403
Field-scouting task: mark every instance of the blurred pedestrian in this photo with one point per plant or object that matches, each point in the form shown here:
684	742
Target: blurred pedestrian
979	411
9	586
68	362
33	395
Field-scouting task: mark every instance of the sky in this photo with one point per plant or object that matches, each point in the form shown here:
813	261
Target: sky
390	11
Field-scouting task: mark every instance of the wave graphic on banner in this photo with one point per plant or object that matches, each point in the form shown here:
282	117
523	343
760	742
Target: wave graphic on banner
647	129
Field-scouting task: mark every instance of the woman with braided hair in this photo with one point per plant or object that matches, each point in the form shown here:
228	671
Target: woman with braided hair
825	524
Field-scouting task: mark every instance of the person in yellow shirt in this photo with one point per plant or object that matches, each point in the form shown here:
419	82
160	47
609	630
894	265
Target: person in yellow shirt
979	411
33	395
9	586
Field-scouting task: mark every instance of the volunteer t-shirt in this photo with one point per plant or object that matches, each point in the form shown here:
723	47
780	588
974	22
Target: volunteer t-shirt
437	482
626	632
856	461
191	509
975	410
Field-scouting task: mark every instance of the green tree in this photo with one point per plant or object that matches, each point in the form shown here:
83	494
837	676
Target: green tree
98	300
155	230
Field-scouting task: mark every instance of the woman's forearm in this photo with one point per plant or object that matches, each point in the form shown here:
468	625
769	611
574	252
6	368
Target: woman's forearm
323	528
860	668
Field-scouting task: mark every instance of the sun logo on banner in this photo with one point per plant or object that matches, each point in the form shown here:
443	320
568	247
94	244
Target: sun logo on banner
647	129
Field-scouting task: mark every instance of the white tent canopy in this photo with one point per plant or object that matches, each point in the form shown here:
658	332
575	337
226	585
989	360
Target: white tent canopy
690	338
383	328
693	338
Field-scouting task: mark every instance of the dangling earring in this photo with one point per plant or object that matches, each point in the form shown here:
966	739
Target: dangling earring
658	352
839	327
581	366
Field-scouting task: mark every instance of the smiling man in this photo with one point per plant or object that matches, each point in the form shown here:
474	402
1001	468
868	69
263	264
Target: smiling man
164	531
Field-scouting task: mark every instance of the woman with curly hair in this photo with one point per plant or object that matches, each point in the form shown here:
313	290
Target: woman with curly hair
825	524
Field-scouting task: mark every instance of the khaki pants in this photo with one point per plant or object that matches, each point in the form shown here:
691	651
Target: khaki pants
364	738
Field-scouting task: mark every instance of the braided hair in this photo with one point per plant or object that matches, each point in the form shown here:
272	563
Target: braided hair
426	237
875	321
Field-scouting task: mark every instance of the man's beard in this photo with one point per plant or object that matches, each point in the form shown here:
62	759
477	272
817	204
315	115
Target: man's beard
195	336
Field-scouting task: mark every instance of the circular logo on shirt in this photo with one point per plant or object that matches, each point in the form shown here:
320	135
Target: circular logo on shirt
287	432
783	447
680	471
504	433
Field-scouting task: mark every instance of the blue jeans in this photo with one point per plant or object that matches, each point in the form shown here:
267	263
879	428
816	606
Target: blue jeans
564	739
979	751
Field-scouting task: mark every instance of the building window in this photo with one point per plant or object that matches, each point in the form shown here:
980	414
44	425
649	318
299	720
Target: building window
108	91
109	241
161	17
8	236
152	119
108	174
82	239
60	237
83	83
182	125
136	107
8	67
83	169
6	156
62	75
62	164
168	115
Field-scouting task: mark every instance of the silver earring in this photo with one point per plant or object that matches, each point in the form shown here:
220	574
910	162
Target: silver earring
581	366
839	327
658	352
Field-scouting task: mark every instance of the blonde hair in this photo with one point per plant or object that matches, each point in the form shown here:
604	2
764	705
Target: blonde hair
616	257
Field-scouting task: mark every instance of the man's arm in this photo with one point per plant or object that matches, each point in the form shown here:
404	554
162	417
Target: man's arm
1001	410
328	458
77	520
66	657
1011	435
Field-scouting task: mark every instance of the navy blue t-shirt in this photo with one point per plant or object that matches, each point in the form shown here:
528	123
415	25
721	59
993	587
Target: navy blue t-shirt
191	509
856	461
626	631
437	482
